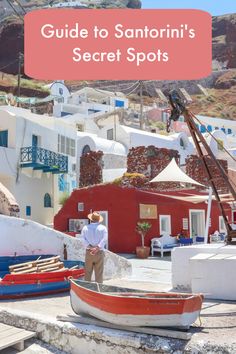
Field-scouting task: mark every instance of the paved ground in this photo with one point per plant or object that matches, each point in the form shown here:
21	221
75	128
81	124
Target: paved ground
218	324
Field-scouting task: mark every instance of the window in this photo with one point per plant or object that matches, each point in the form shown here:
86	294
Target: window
63	144
72	147
4	138
66	145
59	143
47	201
165	224
110	134
61	91
80	206
86	149
28	210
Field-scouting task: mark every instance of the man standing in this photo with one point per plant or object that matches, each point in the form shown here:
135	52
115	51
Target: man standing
95	238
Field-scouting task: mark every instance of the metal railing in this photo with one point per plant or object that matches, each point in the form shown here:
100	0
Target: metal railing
46	159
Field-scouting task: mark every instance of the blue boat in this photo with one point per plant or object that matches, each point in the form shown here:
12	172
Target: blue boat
39	283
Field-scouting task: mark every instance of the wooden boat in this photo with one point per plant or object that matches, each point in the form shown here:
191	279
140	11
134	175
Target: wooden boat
129	307
14	286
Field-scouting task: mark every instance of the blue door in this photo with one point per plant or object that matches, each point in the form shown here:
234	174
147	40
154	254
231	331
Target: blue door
34	148
34	140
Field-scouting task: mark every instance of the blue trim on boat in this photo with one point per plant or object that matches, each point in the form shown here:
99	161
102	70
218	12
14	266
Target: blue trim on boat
23	290
19	291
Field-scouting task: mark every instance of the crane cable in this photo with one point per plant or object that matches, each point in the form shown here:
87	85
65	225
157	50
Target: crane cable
194	117
232	157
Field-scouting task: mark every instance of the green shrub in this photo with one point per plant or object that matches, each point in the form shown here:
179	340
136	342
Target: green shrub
63	198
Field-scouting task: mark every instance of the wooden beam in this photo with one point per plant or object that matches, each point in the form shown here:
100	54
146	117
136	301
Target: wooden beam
53	259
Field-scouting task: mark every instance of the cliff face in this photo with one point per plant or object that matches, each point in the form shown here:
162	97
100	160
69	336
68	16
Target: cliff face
224	39
11	43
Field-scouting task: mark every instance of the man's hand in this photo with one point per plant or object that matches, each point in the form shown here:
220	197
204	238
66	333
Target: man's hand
94	250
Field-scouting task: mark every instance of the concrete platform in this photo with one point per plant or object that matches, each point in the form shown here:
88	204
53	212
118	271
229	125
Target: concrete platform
210	270
181	270
216	334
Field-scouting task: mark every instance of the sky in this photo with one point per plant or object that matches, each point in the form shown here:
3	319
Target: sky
214	7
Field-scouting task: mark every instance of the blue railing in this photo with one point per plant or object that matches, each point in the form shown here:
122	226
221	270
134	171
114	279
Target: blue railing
42	159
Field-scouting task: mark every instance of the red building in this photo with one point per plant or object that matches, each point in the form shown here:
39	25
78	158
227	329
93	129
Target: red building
123	207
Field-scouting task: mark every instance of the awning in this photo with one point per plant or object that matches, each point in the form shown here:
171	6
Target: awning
226	198
172	173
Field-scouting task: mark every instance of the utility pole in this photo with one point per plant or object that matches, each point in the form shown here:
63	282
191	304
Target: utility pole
141	105
20	57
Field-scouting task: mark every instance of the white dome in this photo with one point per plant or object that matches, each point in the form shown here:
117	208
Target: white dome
96	144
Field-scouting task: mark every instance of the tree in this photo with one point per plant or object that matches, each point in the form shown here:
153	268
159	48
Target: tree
142	228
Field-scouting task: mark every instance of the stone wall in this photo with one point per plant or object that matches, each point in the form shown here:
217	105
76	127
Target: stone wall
91	165
8	204
195	169
150	161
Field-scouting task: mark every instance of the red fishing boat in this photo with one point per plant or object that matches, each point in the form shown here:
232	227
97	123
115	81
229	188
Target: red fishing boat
130	307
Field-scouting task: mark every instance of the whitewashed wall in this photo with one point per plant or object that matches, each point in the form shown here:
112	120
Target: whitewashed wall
180	256
26	237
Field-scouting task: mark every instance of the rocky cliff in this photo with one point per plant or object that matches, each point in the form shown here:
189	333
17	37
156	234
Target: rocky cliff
11	43
224	39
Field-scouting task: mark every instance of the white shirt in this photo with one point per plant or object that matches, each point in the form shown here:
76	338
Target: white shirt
94	234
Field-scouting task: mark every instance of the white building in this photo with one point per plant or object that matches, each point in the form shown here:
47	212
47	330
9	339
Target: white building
131	137
115	140
114	158
37	161
228	126
86	105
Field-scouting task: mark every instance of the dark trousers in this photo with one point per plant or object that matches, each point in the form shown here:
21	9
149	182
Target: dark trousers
96	263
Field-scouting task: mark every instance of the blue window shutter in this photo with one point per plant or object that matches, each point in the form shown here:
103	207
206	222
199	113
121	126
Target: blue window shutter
4	138
119	103
28	210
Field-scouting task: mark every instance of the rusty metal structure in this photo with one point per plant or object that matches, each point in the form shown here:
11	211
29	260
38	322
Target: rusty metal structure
178	103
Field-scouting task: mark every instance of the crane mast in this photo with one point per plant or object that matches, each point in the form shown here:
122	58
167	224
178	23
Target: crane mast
178	105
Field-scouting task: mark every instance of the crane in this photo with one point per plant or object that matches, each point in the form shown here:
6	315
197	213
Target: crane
178	104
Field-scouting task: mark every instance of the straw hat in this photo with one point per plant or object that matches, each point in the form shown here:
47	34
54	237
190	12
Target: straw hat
95	217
